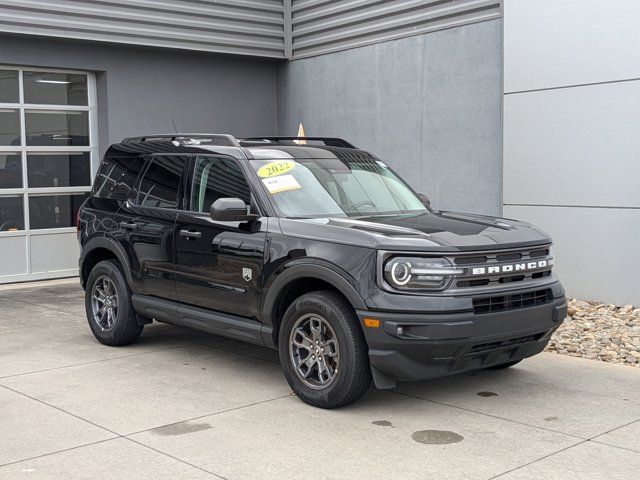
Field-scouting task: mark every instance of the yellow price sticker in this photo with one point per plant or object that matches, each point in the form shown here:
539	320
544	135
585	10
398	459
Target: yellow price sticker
273	169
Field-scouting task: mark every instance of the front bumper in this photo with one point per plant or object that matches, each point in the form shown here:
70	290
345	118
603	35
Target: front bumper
420	346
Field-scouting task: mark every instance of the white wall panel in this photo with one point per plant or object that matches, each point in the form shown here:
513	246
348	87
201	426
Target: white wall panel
551	43
596	249
13	257
65	258
576	146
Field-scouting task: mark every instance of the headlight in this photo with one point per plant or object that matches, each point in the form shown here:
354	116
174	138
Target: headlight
416	273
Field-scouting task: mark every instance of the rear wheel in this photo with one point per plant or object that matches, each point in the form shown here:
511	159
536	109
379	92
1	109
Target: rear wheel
110	312
502	366
323	352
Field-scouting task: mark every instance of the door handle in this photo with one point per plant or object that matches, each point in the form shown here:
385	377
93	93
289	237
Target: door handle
129	225
190	234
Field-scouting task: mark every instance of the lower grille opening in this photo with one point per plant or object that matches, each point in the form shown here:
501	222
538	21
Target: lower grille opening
512	302
541	274
473	283
481	347
512	278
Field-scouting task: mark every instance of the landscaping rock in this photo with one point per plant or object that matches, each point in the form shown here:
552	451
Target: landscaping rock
599	331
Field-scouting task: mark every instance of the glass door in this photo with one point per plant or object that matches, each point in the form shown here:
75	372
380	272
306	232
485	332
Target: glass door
48	150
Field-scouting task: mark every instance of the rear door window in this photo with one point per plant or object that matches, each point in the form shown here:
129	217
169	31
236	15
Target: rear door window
161	184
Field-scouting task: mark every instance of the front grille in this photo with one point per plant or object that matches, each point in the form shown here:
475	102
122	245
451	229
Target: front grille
488	262
512	302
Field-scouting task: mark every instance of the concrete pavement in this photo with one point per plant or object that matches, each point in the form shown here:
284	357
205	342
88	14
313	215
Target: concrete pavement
183	404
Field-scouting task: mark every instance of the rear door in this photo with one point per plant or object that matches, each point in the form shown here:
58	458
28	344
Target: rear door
219	264
147	224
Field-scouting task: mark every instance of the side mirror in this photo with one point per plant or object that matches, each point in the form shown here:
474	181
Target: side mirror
231	210
120	191
424	199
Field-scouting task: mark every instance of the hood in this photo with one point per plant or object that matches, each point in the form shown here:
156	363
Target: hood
429	231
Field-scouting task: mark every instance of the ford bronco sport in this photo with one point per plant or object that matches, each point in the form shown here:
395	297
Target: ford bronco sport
315	248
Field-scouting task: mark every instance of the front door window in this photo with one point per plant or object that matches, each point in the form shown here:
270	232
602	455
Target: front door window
214	178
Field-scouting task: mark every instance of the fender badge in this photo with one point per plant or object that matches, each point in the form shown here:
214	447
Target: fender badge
247	274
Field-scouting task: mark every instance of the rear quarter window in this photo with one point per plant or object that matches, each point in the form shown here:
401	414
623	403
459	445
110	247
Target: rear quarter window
115	169
160	185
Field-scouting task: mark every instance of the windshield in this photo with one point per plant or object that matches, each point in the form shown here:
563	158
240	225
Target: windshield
335	188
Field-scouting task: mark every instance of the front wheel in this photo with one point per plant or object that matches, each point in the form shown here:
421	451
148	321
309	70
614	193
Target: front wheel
110	312
323	351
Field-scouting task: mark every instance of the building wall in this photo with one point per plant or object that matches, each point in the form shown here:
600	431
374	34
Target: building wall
141	89
429	105
319	27
251	27
571	116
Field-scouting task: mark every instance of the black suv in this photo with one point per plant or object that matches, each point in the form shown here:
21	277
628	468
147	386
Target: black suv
316	248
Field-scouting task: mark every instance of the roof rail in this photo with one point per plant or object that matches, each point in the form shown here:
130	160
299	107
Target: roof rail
229	140
328	141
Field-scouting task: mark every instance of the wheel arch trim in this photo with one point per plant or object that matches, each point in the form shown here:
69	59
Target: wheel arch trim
115	248
307	270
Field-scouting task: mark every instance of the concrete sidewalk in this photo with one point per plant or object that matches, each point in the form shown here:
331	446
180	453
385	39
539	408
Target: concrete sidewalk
183	404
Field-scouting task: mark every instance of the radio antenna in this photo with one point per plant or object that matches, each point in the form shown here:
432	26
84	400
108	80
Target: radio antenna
174	125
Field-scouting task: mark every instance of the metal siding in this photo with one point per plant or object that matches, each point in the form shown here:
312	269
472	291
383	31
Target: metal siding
321	26
246	27
268	28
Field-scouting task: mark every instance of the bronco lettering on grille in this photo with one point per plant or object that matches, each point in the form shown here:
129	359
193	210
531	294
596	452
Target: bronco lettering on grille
513	267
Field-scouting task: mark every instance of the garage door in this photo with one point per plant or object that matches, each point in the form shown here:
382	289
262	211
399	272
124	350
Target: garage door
48	149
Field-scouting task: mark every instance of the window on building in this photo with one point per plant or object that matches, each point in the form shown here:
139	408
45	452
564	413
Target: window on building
11	214
49	169
9	127
9	86
10	170
57	128
54	211
55	88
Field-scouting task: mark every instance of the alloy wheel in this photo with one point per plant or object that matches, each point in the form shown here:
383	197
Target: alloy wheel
314	351
104	303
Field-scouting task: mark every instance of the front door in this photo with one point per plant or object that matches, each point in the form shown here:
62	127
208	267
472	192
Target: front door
218	264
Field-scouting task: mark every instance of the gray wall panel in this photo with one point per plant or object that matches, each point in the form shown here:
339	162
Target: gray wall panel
555	43
249	27
576	146
321	26
429	105
573	143
141	89
596	249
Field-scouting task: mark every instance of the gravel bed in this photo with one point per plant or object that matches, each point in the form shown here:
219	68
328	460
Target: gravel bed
599	332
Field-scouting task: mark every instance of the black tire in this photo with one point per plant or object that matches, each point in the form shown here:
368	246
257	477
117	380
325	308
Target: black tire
502	366
125	328
352	376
